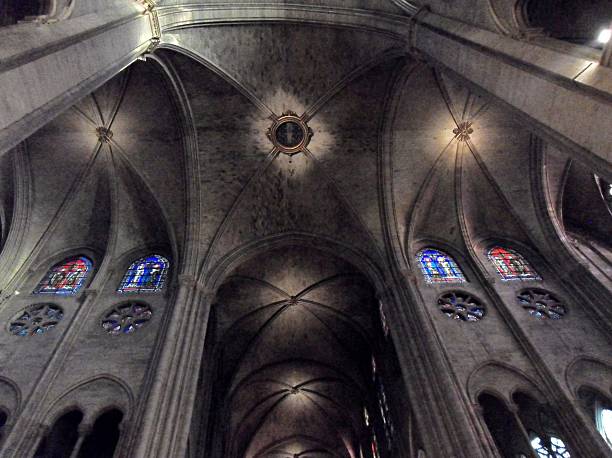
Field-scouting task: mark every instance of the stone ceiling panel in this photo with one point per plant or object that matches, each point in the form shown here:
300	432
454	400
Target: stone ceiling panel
281	76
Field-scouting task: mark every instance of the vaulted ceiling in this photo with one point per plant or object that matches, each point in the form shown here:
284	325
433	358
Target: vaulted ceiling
295	330
173	153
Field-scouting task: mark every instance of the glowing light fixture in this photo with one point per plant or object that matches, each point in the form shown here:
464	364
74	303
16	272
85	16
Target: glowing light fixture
604	36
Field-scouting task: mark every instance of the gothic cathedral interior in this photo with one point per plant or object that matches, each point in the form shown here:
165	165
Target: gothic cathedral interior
305	229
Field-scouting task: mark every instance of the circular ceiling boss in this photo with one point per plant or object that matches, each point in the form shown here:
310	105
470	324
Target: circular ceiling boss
289	133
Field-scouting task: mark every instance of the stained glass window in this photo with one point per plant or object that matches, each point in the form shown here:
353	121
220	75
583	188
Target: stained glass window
511	265
126	318
541	304
145	275
36	319
438	267
461	306
383	405
552	447
66	277
383	319
604	423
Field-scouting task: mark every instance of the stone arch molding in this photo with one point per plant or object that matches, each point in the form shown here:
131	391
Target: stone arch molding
501	380
591	373
10	397
93	397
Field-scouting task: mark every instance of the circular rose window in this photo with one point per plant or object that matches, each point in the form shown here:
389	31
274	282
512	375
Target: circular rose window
289	133
36	319
126	318
541	304
461	306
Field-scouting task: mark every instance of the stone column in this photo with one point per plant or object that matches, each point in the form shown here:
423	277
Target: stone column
446	423
45	68
168	410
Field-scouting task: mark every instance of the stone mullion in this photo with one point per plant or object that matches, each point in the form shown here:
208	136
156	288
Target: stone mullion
167	414
84	430
514	411
445	423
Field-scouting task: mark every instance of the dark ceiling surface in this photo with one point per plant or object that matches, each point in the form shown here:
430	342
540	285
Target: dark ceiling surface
295	330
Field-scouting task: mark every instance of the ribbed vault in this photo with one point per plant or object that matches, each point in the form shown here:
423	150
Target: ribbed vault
295	331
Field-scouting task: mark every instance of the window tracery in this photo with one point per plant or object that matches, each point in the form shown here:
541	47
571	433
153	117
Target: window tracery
36	319
550	447
438	267
66	277
511	265
126	318
541	304
146	275
544	432
461	306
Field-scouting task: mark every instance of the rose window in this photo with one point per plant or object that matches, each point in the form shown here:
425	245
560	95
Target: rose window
541	304
126	318
36	319
461	306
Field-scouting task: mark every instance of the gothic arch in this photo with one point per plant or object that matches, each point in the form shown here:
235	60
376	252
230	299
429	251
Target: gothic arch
92	397
10	397
589	372
501	380
214	276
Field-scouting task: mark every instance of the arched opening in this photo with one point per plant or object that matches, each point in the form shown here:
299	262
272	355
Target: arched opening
599	408
543	429
298	362
102	440
13	11
569	20
61	439
3	420
510	440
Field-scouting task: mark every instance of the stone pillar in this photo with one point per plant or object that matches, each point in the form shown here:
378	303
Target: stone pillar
42	74
446	423
169	406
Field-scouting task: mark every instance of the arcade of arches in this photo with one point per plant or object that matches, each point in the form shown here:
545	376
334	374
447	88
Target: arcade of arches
343	228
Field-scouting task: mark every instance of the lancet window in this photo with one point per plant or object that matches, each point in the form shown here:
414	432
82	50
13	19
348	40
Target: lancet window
599	408
101	442
511	265
65	278
146	275
532	427
438	267
62	437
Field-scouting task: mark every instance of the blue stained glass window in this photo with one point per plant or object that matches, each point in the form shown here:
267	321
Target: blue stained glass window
439	267
67	277
145	275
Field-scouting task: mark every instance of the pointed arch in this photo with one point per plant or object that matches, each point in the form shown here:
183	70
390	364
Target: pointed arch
439	267
510	264
145	275
66	277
